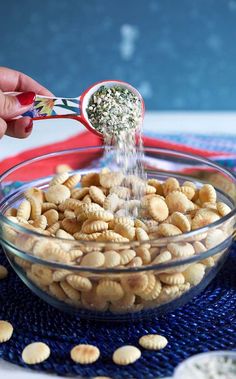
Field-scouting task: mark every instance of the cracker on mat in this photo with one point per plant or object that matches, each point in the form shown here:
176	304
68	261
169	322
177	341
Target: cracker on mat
35	352
6	331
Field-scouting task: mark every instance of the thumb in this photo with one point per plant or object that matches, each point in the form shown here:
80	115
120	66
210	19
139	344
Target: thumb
12	106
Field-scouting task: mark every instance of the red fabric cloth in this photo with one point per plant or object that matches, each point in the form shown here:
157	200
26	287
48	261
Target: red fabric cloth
155	142
84	139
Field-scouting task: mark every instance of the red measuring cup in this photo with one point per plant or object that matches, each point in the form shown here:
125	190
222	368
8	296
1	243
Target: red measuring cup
76	108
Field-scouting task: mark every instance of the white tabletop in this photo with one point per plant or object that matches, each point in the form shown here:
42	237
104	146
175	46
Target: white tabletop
164	122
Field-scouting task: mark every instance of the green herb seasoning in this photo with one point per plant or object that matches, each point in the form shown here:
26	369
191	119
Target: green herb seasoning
112	110
212	367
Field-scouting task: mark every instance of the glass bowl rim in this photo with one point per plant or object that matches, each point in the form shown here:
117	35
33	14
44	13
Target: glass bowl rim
157	242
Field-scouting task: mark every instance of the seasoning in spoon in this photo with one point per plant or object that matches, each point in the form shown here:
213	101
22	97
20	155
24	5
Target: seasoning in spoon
112	110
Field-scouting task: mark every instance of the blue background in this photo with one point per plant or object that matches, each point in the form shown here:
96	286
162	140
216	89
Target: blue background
181	54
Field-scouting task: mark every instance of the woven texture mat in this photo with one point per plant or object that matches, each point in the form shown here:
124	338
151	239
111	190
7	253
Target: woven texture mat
208	322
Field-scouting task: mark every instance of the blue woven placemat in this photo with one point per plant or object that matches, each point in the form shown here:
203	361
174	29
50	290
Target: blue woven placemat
208	322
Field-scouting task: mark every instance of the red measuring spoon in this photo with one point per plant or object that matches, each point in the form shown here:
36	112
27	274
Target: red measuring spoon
76	108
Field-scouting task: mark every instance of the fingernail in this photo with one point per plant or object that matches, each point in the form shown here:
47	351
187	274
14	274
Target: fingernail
29	127
26	98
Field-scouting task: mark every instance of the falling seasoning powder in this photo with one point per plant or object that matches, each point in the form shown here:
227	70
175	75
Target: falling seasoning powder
116	112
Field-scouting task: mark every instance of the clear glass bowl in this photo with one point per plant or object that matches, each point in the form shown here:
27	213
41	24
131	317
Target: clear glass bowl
46	278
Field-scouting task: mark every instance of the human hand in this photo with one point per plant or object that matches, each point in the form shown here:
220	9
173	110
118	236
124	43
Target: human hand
13	106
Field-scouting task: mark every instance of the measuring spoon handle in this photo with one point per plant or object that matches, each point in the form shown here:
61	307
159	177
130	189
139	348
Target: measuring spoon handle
53	107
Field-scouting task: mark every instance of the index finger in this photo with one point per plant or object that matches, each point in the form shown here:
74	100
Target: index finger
15	81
